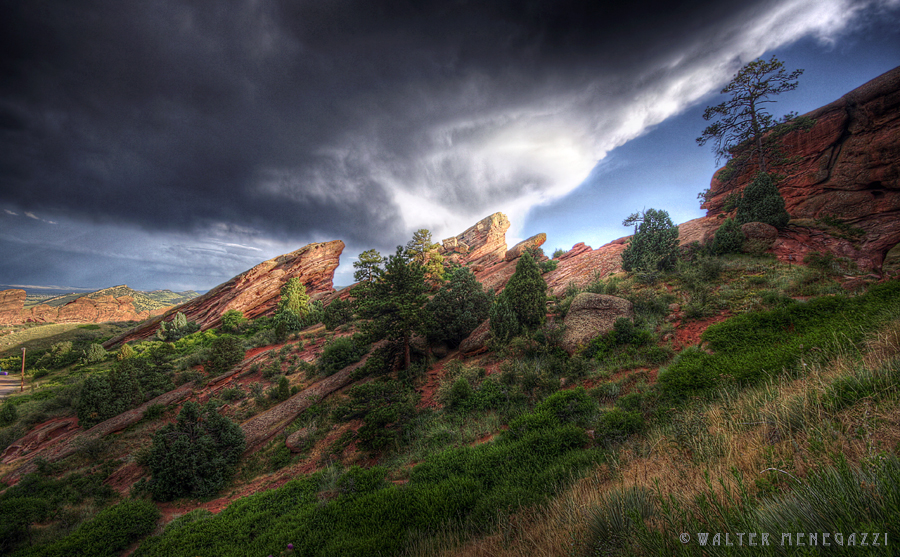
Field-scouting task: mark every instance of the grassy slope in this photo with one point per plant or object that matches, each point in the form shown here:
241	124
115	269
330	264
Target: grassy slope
746	286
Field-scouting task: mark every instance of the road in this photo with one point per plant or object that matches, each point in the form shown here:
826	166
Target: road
9	384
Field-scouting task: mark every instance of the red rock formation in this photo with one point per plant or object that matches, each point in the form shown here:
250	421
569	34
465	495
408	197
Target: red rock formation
846	166
517	250
482	244
254	292
80	310
581	265
11	304
698	230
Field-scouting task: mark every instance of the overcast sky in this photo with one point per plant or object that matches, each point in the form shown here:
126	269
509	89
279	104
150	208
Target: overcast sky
175	144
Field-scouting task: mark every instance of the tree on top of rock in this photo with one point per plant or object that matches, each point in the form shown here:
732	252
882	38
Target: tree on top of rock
761	202
742	119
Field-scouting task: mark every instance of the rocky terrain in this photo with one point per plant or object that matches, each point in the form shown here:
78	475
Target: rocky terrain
842	190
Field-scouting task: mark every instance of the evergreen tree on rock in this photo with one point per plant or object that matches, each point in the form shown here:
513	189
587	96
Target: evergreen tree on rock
761	202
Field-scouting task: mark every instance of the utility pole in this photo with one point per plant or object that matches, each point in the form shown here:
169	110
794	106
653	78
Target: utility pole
22	387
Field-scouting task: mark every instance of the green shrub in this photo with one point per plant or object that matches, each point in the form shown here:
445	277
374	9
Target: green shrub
96	402
617	424
8	414
572	406
195	456
728	238
504	322
225	352
762	202
458	308
338	313
233	321
340	353
526	294
108	534
94	353
177	328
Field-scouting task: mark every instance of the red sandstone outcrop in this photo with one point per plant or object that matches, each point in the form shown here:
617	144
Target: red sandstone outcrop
11	304
254	292
81	310
581	265
846	166
698	230
482	244
517	250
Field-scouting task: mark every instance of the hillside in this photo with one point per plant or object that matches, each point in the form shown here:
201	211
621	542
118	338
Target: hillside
598	411
143	301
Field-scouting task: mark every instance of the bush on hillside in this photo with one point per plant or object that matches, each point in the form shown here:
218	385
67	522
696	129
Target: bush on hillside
196	456
728	238
224	353
522	306
458	308
761	202
340	353
338	313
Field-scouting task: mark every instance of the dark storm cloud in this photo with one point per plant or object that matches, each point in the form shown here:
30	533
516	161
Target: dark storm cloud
354	120
176	114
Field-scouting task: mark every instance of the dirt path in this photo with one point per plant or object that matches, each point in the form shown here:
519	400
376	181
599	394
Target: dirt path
9	384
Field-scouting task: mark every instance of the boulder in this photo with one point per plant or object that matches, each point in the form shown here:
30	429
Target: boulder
760	232
591	315
298	441
517	250
477	340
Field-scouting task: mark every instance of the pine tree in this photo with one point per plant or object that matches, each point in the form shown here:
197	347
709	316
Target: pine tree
196	455
526	293
394	302
654	246
742	119
425	252
728	238
292	307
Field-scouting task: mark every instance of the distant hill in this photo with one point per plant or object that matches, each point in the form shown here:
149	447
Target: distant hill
143	301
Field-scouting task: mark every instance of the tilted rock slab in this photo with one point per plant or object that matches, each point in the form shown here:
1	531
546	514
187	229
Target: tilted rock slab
483	243
254	292
517	250
264	426
591	315
67	444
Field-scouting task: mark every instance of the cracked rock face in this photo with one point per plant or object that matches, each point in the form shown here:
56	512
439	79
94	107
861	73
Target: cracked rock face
846	166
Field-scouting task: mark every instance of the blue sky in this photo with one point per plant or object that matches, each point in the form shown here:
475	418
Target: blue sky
173	146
